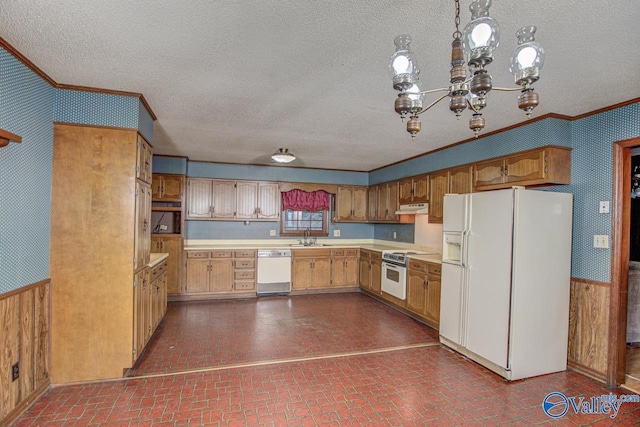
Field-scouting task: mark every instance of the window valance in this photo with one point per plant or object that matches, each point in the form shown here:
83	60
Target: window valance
299	200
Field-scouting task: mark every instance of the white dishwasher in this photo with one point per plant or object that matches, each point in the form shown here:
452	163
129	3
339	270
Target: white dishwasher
274	271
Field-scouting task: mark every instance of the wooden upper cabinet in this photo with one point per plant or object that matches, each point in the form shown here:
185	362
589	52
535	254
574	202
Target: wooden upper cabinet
199	200
438	187
413	190
540	166
232	200
144	157
372	203
269	200
351	203
142	233
387	202
460	180
167	188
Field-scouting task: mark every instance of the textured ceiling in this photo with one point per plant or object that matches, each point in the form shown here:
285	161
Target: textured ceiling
232	81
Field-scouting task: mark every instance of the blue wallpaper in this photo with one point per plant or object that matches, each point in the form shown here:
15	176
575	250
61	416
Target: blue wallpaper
260	230
175	165
92	108
275	173
26	109
405	233
145	122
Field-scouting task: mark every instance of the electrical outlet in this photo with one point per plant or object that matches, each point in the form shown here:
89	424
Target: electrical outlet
15	371
394	235
336	233
272	232
601	241
604	207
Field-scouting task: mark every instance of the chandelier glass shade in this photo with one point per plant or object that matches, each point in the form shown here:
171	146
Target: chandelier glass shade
283	155
472	48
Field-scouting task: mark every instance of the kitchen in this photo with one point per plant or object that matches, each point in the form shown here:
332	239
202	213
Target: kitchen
25	252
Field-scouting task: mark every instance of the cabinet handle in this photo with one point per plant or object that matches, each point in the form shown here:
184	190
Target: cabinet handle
506	169
145	225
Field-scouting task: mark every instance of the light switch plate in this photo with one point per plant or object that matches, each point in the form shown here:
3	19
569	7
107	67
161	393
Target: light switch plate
336	233
601	241
604	207
272	232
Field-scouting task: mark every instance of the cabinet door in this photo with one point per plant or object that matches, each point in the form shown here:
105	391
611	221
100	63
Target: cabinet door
321	276
376	276
269	200
338	272
172	187
144	157
359	204
525	167
138	313
405	191
221	275
199	198
488	173
173	246
344	208
372	196
247	200
351	271
223	199
421	189
416	291
438	187
460	180
301	273
432	308
365	273
142	230
156	187
198	275
383	201
392	202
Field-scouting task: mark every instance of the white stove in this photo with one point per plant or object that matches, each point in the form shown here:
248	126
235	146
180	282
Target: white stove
401	256
394	271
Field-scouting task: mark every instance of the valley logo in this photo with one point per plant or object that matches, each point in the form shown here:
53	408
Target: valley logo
556	404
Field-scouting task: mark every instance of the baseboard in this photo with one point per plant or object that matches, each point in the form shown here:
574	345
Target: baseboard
584	370
26	403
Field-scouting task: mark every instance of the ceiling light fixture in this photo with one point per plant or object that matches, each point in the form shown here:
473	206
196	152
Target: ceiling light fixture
283	156
476	43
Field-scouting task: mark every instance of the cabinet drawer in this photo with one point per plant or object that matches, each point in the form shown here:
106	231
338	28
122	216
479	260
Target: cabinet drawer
221	254
418	265
311	253
197	254
375	255
244	286
245	263
244	274
337	252
351	252
251	253
435	269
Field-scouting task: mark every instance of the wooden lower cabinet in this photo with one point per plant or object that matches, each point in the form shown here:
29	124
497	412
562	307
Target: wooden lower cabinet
423	290
370	271
171	244
149	304
311	269
220	272
344	268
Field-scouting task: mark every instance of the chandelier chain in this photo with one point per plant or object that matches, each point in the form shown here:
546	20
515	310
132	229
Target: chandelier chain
457	34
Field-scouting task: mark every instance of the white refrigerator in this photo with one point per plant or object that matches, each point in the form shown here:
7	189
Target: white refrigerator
506	270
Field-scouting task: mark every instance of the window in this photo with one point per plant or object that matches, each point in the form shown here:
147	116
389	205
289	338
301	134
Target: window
295	223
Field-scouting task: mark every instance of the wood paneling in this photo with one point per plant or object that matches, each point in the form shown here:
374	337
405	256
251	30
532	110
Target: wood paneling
589	326
24	339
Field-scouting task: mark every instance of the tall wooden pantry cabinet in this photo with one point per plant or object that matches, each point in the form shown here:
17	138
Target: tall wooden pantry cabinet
100	245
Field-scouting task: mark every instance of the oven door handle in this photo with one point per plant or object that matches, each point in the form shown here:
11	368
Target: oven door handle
392	266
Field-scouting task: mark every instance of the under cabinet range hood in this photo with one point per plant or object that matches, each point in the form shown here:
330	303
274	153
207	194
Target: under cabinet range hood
413	209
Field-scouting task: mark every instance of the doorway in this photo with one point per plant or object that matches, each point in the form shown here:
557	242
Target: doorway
623	359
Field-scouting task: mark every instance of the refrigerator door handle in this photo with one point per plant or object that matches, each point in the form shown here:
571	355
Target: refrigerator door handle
465	248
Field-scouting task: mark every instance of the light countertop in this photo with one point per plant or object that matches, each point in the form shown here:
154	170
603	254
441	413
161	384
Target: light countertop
156	258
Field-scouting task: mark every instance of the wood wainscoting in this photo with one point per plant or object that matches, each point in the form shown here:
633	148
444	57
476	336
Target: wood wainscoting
25	319
589	327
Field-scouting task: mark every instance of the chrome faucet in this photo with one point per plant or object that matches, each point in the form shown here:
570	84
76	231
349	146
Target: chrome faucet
307	233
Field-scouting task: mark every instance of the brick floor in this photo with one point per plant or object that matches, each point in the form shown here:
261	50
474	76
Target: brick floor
426	385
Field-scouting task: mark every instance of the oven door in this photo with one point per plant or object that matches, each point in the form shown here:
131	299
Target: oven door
394	280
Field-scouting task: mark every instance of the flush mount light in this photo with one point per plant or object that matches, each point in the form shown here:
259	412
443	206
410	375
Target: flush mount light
476	43
283	156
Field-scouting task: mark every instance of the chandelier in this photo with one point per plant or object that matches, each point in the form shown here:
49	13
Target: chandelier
476	44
